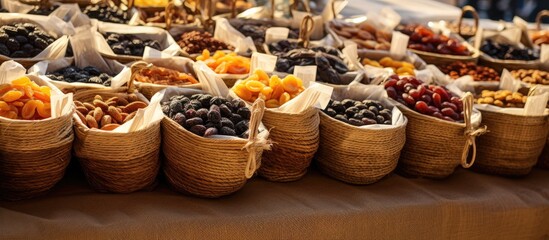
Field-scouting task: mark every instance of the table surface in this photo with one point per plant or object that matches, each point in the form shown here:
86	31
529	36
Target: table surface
467	205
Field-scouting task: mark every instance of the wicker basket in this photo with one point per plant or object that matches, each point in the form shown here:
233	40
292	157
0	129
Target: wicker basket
117	162
499	65
444	59
211	167
358	155
543	161
435	147
34	155
513	144
295	141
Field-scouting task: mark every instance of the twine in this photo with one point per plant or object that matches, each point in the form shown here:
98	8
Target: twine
544	13
305	30
470	133
255	145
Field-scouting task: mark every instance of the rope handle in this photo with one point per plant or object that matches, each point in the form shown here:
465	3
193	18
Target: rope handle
470	133
233	8
209	8
272	9
472	10
254	145
541	15
136	68
171	10
305	30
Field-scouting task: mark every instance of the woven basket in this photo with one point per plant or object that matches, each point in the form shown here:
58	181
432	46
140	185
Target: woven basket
117	162
33	155
295	141
544	157
211	167
513	144
444	59
358	155
499	65
435	147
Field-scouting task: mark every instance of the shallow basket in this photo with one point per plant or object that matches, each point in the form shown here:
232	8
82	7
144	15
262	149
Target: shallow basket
209	167
33	155
117	162
499	65
433	146
358	155
513	144
295	141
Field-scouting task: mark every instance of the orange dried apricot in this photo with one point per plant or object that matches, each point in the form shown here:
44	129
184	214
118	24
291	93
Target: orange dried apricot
24	99
12	95
222	63
273	90
29	109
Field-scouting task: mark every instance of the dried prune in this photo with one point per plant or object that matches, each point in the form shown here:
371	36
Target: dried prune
199	130
358	113
242	127
227	131
193	121
86	75
244	113
180	118
210	132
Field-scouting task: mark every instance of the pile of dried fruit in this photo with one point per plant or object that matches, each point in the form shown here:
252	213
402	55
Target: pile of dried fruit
24	99
363	34
273	90
23	40
431	100
359	113
222	63
508	52
399	67
206	115
532	76
256	29
106	13
327	59
195	42
502	98
424	39
109	114
43	10
160	17
479	73
540	37
88	74
126	44
164	76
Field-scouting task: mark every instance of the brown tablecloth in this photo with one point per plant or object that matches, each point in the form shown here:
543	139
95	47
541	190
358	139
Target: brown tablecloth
467	205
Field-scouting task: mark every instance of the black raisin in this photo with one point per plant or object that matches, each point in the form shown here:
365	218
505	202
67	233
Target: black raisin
193	121
210	132
199	130
244	113
242	127
227	131
180	119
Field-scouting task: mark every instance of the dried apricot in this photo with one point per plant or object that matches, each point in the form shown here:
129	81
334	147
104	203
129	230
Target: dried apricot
29	109
12	95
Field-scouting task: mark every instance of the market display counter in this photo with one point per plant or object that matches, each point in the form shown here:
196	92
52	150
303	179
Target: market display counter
467	205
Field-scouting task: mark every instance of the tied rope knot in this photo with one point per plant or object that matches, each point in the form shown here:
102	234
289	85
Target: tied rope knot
470	133
255	145
305	30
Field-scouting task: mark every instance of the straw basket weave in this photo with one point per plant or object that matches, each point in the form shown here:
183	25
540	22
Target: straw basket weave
117	162
513	144
33	155
444	59
544	157
358	155
295	141
435	147
211	167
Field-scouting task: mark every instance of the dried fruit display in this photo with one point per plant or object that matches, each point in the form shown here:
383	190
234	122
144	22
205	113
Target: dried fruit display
399	67
359	113
106	13
430	100
23	40
222	62
206	115
540	37
127	44
479	73
43	10
508	52
256	29
532	76
164	76
108	114
273	90
88	74
329	63
195	42
151	3
502	98
424	39
24	99
365	35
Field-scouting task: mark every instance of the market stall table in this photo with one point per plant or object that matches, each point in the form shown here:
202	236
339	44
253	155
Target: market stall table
467	205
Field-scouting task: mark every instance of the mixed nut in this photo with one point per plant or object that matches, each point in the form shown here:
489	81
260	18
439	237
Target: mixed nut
531	76
196	42
365	35
502	98
479	73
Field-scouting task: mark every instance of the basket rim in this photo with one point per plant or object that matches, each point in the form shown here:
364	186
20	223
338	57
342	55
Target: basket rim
358	128
195	137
